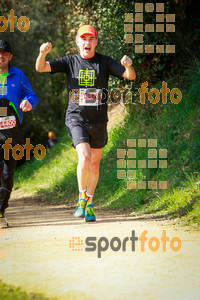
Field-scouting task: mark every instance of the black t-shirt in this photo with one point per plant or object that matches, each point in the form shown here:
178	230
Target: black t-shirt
87	83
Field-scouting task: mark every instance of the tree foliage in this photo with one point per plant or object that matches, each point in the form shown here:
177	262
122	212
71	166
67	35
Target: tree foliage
57	21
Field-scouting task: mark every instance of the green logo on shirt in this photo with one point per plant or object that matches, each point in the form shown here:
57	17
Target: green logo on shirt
86	77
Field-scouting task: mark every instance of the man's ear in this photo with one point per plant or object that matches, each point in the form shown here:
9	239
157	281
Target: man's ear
10	57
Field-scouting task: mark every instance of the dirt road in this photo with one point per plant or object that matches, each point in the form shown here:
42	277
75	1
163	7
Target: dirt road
36	255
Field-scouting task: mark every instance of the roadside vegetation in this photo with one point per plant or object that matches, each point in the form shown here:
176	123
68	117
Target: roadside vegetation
9	292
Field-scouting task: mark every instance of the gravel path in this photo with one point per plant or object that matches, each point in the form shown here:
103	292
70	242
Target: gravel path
35	254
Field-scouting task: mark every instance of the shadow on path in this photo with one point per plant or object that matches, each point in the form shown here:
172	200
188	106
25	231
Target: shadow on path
27	211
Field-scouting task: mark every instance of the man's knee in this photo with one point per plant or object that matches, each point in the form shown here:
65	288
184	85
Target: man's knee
94	167
84	160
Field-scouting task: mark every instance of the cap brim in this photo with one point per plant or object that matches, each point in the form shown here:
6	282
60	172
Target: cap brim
9	51
87	33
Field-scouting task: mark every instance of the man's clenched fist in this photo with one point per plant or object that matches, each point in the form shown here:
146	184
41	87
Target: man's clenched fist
45	48
25	105
126	61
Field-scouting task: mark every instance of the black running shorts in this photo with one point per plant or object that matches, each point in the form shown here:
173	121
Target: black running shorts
95	134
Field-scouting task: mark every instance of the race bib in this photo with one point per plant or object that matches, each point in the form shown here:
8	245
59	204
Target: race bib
90	97
7	122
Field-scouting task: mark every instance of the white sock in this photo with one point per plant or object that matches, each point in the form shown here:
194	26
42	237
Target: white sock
89	196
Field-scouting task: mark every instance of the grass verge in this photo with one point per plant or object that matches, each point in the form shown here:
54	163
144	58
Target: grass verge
9	292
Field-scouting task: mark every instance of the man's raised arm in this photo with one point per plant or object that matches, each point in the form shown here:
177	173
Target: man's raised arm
129	73
41	64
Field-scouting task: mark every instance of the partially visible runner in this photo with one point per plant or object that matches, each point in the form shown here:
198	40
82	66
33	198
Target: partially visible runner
86	117
52	140
14	87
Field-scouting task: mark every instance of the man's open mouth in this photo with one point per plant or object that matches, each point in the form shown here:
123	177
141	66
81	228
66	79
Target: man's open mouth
87	48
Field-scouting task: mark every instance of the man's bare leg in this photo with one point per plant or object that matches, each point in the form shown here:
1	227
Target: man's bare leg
84	158
92	183
83	168
94	170
87	174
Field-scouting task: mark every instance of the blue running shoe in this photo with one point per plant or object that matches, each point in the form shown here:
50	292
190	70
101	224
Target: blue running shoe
90	216
80	208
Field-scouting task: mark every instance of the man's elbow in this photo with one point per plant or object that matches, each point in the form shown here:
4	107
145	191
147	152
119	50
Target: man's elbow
43	68
129	76
133	77
38	69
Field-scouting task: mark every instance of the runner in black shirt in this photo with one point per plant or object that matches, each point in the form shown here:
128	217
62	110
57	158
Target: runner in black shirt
86	118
